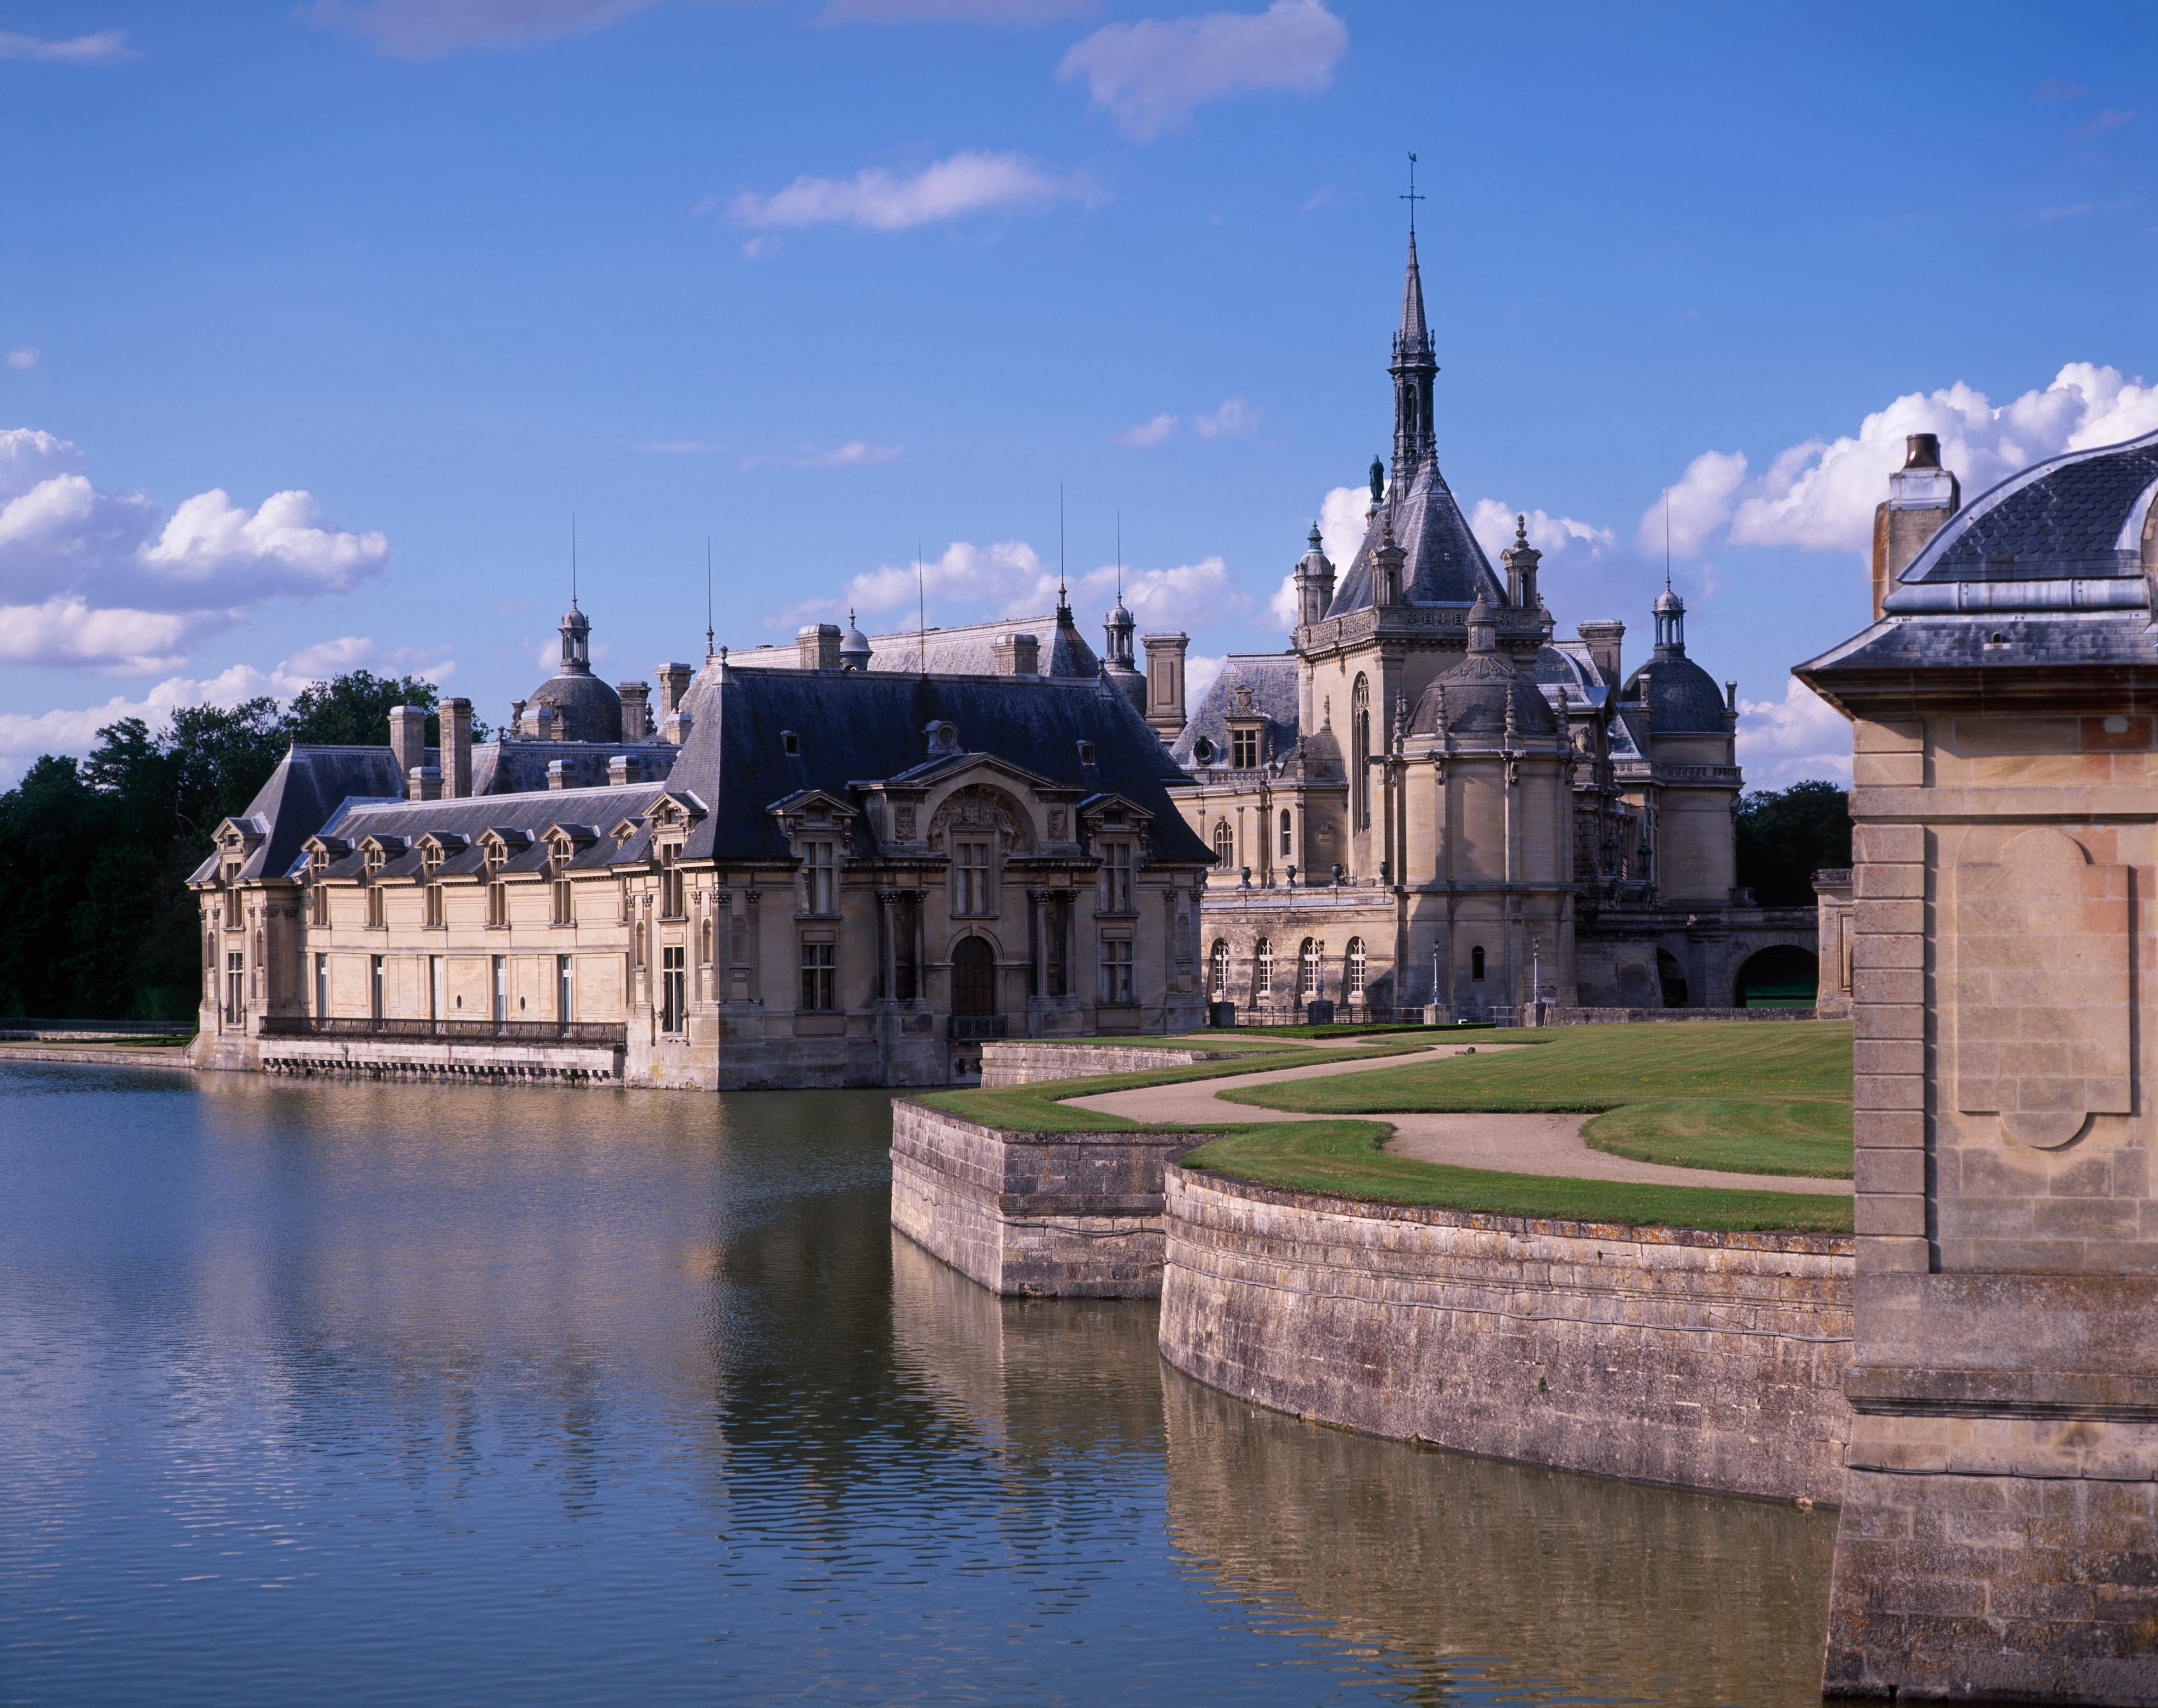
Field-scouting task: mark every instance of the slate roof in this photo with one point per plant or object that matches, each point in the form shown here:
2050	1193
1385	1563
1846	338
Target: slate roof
2078	514
868	725
303	790
1444	564
590	710
967	650
1683	697
1477	694
508	768
471	816
1271	678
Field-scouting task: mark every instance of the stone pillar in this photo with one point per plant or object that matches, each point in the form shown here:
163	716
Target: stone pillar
1164	673
1999	1534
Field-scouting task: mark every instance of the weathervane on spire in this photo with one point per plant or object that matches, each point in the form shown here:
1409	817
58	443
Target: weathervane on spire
1412	198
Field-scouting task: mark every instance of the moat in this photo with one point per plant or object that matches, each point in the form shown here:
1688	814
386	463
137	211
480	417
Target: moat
358	1393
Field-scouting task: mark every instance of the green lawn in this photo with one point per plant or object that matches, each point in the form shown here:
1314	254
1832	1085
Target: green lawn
1763	1097
1340	1030
1342	1158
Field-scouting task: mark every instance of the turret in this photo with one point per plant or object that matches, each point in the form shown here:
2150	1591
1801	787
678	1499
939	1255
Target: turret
1522	560
1314	582
1414	369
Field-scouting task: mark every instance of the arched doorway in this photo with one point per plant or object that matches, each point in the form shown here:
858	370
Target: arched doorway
1780	977
973	977
1672	977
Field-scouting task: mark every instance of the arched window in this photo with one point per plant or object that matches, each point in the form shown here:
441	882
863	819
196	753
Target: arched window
1289	846
973	977
1224	843
1217	970
1356	969
1360	750
1476	961
1262	983
1308	964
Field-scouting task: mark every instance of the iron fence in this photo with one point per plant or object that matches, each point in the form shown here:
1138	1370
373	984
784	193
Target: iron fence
599	1032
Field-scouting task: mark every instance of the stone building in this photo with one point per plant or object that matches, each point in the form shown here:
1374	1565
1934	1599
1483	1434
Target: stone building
808	874
1430	799
1998	1535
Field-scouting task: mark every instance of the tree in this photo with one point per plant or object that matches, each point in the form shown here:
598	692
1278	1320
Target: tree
353	710
1786	835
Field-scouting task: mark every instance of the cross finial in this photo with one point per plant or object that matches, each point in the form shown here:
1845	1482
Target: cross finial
1412	198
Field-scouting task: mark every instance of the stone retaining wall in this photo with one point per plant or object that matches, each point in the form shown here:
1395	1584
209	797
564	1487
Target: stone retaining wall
176	1059
1054	1214
1027	1062
1667	1355
1621	1017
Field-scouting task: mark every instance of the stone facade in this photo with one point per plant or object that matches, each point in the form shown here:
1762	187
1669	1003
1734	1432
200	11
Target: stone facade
1838	934
1660	1354
1581	848
812	876
1034	1060
2000	1536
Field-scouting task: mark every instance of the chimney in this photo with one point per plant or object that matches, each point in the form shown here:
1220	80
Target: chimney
674	680
677	727
408	738
624	769
1522	558
818	645
543	723
1017	655
558	774
1164	683
516	719
1389	558
1922	496
456	748
1602	639
636	710
423	783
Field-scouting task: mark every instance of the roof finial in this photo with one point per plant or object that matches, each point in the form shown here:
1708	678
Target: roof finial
921	593
1412	198
573	559
1063	602
1667	539
708	595
1120	557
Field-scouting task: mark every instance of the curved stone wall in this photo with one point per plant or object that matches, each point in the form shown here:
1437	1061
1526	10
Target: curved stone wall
1667	1355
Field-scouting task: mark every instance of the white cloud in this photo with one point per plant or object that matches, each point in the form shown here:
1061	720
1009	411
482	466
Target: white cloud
1199	671
22	356
762	249
427	30
1493	524
855	453
1017	14
877	200
1820	495
1341	525
103	49
23	737
1801	735
1008	576
1235	419
88	577
1152	74
1187	595
1146	434
1696	508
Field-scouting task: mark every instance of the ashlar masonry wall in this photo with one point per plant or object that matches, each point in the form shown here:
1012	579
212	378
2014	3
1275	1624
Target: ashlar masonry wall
1667	1355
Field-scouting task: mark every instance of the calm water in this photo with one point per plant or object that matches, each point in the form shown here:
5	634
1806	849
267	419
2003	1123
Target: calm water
357	1393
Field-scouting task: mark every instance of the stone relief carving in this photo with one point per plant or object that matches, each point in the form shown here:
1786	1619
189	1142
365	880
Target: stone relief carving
979	807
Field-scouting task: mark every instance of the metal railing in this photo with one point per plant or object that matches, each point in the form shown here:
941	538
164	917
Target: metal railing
600	1032
971	1028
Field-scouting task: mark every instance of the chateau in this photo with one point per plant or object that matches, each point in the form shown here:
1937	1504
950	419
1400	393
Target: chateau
811	873
1429	801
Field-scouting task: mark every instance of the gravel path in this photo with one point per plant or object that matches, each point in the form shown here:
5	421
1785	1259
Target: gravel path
1514	1144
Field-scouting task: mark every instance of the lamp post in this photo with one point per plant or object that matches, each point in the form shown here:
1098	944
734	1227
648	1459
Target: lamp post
1536	975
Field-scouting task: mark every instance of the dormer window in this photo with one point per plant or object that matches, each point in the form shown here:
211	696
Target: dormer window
558	862
791	744
1086	753
1202	749
235	910
1244	748
318	894
377	902
498	892
1117	878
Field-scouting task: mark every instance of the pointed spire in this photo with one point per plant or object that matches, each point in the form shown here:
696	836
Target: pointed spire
1414	336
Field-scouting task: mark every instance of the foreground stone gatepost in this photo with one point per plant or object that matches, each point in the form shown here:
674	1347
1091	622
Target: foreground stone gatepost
1999	1536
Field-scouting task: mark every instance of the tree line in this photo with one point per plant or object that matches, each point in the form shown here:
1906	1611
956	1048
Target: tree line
95	919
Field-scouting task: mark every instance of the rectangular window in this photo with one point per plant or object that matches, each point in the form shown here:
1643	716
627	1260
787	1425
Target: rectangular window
1244	748
1117	878
377	907
1117	973
235	989
820	874
564	990
498	904
907	972
672	1008
318	905
501	988
1058	918
434	905
374	986
564	913
820	968
322	986
671	898
971	870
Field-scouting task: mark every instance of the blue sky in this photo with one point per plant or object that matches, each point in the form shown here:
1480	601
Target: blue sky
319	322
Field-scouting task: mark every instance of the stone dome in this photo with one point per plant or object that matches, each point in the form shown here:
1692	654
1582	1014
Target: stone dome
589	710
1683	697
1476	692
